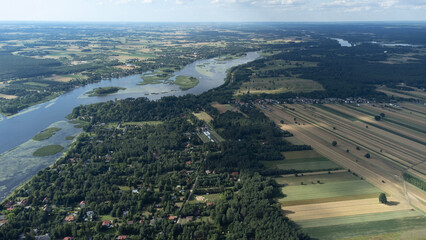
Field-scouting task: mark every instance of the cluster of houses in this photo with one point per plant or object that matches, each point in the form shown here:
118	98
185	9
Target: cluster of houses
11	205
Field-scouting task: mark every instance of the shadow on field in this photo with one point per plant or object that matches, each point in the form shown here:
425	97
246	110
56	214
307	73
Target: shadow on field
392	203
287	212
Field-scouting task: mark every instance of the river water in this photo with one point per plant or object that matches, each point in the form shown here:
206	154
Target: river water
18	129
17	163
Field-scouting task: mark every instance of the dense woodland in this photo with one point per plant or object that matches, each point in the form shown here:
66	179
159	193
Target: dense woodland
140	177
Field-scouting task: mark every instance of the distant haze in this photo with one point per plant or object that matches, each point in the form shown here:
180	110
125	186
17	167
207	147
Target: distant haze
212	10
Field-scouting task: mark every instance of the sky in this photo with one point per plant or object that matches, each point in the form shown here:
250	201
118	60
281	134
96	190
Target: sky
212	10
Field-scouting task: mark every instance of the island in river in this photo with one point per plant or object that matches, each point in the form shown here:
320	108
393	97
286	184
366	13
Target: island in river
103	91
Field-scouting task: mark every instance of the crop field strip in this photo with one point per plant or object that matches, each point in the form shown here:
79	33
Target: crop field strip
367	120
417	108
360	135
314	191
400	117
302	161
399	131
321	143
384	134
385	141
341	208
389	125
413	147
358	218
393	153
370	229
334	133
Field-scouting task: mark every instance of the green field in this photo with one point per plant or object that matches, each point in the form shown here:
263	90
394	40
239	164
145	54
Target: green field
279	85
358	218
203	138
214	197
367	228
333	191
46	134
216	137
306	164
186	82
323	178
48	150
301	154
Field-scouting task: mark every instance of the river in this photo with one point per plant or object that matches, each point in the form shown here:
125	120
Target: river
16	147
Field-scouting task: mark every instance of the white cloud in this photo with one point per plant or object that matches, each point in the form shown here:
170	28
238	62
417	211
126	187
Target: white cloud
388	3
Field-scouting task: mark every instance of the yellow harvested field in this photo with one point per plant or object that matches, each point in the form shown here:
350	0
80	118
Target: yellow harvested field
5	96
204	116
342	208
125	67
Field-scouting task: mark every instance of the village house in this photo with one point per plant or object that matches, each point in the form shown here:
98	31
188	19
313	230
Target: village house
107	224
70	218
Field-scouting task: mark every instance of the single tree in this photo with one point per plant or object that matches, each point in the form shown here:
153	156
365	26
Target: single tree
382	198
334	143
382	115
377	118
367	155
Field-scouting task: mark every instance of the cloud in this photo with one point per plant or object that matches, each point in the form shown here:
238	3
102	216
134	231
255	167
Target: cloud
118	2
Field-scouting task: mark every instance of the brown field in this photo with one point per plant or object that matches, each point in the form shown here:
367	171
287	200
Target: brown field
58	78
342	208
378	170
222	108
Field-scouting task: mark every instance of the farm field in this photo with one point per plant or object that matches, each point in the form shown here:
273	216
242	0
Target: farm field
304	161
345	204
415	94
204	117
278	85
314	192
383	169
400	227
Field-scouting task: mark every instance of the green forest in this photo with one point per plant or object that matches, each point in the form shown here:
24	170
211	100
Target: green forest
135	179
